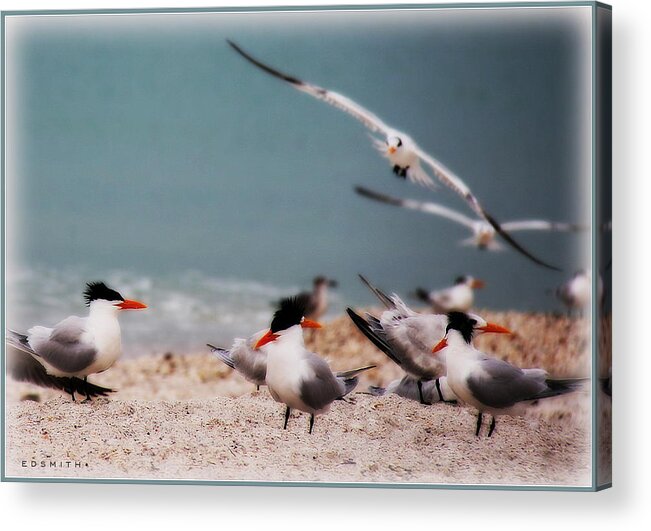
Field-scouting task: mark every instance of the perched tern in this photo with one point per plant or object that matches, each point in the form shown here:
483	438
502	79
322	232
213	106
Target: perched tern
407	387
406	336
457	298
245	359
576	293
488	384
483	233
403	153
295	376
64	356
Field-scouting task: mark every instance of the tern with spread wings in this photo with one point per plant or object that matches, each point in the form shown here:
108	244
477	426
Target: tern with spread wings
483	233
404	155
405	336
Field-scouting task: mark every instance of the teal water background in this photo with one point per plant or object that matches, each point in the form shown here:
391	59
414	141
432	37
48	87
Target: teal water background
144	151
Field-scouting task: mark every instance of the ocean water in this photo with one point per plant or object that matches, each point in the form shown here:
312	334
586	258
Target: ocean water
143	151
184	311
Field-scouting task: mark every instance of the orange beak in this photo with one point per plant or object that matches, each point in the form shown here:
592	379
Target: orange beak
495	329
440	345
267	338
391	150
478	284
307	323
127	304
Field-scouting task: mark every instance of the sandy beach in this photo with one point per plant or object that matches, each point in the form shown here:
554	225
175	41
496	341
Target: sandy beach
188	416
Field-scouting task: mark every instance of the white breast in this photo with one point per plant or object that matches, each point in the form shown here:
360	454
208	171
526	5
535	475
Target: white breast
286	368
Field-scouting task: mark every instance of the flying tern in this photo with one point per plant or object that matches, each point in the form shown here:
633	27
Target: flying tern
65	355
459	297
483	233
488	384
406	336
404	155
295	376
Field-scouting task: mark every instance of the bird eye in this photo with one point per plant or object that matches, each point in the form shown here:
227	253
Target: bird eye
473	322
399	142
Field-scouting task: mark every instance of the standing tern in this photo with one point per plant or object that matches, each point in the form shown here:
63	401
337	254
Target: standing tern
457	298
576	293
483	233
295	376
406	336
403	153
317	300
407	387
488	384
245	359
64	356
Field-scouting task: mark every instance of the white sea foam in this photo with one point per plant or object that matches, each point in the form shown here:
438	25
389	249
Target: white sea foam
184	312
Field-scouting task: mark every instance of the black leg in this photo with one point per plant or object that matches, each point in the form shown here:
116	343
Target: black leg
419	384
311	422
403	172
88	398
480	418
492	428
396	169
257	387
287	412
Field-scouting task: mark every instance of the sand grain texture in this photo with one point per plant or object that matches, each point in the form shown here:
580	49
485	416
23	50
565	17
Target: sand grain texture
189	417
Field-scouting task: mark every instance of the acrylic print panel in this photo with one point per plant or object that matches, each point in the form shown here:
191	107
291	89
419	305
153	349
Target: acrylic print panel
146	152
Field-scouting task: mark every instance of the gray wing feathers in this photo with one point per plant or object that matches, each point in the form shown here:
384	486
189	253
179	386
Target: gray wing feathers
222	354
354	372
384	298
541	224
22	366
341	102
324	387
503	384
250	363
63	348
69	330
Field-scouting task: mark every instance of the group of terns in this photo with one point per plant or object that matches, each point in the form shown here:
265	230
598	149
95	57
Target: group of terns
435	351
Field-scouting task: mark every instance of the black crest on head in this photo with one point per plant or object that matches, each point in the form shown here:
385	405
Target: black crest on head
460	280
99	290
290	312
463	323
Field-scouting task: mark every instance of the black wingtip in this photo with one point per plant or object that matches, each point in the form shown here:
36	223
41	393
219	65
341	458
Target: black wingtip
384	298
365	329
377	196
262	66
509	239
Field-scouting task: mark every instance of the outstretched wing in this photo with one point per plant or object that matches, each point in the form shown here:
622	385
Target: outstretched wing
452	181
541	224
341	102
427	207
